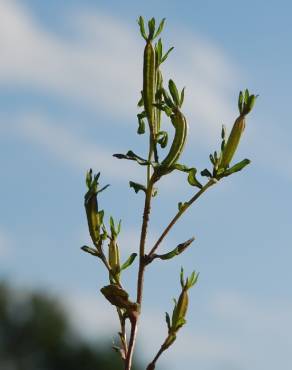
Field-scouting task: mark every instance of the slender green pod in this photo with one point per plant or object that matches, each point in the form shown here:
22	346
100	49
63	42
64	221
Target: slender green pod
180	310
181	129
92	216
114	260
233	141
246	103
149	85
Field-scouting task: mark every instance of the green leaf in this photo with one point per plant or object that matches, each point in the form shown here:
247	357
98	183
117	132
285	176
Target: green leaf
182	283
182	167
162	138
192	180
182	97
167	99
132	157
223	132
151	27
154	192
240	102
102	189
168	111
206	173
89	178
174	92
251	102
137	187
166	55
167	319
176	251
160	28
236	168
141	127
141	101
223	143
129	261
142	27
246	96
192	279
89	250
112	225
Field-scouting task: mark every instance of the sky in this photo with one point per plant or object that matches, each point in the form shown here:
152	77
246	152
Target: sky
70	79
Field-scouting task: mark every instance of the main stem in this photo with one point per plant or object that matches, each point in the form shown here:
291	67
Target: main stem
134	321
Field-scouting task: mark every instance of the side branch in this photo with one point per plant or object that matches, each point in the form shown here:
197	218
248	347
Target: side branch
180	213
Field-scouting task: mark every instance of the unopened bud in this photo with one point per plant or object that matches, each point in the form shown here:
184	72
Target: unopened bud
233	141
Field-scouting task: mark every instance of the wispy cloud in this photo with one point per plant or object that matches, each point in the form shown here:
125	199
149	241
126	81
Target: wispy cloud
250	320
67	147
92	68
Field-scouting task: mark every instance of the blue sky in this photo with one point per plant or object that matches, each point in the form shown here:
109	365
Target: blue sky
70	76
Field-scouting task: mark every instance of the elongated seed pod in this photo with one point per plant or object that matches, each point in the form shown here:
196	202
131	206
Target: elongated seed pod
180	310
91	208
149	77
181	129
114	258
233	141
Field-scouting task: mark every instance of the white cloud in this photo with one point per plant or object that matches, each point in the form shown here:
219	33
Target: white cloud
251	330
68	147
101	65
91	315
262	328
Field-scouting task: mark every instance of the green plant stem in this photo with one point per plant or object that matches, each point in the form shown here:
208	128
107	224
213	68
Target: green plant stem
134	322
151	366
180	213
123	337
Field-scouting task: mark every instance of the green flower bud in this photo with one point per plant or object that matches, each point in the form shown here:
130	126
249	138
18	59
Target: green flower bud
233	141
93	217
114	261
180	310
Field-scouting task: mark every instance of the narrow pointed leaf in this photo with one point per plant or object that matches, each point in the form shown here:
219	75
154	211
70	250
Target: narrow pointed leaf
129	261
151	27
176	251
174	92
141	101
141	127
162	138
165	56
137	187
167	319
160	28
240	102
192	180
206	173
182	283
142	27
182	97
89	250
132	157
237	167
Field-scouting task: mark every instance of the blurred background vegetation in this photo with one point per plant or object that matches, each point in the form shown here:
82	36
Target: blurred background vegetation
36	335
